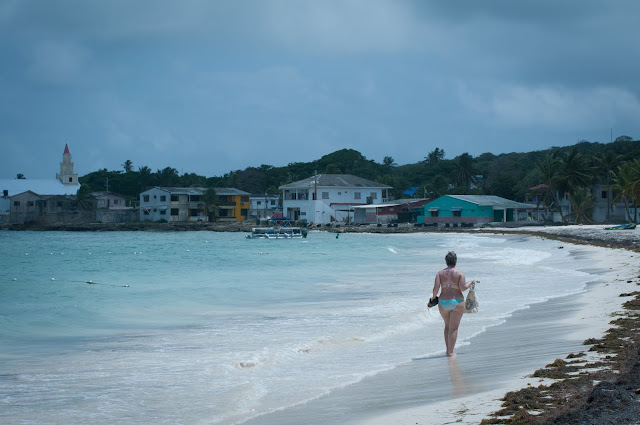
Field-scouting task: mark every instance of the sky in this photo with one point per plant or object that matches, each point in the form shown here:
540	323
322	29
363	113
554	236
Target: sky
209	87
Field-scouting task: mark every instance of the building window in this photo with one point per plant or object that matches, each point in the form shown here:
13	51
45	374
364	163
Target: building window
325	195
163	198
146	212
434	213
195	198
29	203
244	199
16	203
59	204
116	202
339	193
175	198
273	202
70	179
373	195
258	202
163	212
145	198
175	211
604	194
357	195
457	213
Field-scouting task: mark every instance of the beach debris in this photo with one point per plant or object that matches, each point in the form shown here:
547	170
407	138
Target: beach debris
125	286
14	279
53	279
638	391
91	282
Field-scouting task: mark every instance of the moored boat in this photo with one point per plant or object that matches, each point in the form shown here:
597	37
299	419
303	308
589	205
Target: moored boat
277	233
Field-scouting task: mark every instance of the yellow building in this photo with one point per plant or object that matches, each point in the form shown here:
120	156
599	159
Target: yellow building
233	204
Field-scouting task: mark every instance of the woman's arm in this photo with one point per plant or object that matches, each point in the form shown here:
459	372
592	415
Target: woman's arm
462	285
436	286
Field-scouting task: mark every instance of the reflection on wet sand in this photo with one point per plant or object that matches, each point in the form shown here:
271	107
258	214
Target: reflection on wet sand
458	386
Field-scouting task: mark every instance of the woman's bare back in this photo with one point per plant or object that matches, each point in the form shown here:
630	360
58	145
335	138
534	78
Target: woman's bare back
449	280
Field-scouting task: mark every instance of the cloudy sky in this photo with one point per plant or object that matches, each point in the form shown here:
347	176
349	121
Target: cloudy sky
213	86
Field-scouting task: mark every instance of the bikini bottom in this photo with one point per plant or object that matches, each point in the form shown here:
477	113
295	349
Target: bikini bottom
450	305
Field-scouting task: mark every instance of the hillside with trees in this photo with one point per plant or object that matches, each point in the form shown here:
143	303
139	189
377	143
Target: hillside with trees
571	170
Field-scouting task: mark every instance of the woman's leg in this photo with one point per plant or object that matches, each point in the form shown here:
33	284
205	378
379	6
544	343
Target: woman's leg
446	317
454	321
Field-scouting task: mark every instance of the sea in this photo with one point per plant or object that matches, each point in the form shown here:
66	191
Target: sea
214	328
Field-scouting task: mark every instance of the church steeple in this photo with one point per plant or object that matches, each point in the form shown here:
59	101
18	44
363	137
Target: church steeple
66	175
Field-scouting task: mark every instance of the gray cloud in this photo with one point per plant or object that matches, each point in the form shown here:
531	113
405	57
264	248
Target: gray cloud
208	87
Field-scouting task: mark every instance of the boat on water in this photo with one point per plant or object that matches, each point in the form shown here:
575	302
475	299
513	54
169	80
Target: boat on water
277	233
629	226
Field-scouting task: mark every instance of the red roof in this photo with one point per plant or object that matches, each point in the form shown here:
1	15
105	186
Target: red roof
66	150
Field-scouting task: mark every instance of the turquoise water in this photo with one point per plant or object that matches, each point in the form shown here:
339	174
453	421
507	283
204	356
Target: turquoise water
206	328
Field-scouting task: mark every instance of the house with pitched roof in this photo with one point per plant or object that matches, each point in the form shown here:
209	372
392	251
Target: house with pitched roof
472	210
327	198
40	199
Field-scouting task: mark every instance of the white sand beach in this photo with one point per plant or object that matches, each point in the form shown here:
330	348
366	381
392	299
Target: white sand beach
619	271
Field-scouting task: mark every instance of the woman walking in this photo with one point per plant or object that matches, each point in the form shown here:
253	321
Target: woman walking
450	282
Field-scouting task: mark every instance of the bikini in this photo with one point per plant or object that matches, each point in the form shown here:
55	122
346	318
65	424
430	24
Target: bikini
451	304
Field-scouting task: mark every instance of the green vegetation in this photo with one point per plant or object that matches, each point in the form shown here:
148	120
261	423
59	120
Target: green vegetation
556	171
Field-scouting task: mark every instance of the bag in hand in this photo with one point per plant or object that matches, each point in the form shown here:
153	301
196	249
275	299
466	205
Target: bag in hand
471	303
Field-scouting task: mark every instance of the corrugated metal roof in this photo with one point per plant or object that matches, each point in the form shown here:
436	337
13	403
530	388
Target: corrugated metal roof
39	186
224	191
335	180
229	191
491	201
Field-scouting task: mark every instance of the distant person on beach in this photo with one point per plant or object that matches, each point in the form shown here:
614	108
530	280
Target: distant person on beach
450	282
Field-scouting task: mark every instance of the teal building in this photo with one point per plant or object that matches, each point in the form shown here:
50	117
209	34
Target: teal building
471	210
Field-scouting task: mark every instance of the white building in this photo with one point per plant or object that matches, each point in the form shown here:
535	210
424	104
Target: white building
264	206
65	184
172	204
325	198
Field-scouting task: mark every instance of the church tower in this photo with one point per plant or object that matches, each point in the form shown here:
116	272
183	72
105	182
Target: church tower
66	175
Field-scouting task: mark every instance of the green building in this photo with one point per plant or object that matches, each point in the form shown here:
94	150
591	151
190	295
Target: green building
471	210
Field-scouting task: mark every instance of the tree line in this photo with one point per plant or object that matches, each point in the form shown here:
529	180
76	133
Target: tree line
557	172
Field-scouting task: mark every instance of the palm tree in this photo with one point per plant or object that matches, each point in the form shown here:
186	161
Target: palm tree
465	173
605	164
128	166
144	177
434	156
547	170
626	182
211	202
573	173
388	162
20	176
582	203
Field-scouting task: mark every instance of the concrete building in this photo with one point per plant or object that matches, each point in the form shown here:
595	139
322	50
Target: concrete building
325	198
187	204
472	210
264	206
19	209
400	210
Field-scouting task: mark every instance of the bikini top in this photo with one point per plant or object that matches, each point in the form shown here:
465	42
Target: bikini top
450	283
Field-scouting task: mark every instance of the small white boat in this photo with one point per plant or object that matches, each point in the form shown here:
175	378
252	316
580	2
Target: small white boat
277	233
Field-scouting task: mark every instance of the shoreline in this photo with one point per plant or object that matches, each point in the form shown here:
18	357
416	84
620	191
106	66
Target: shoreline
599	384
578	234
588	383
